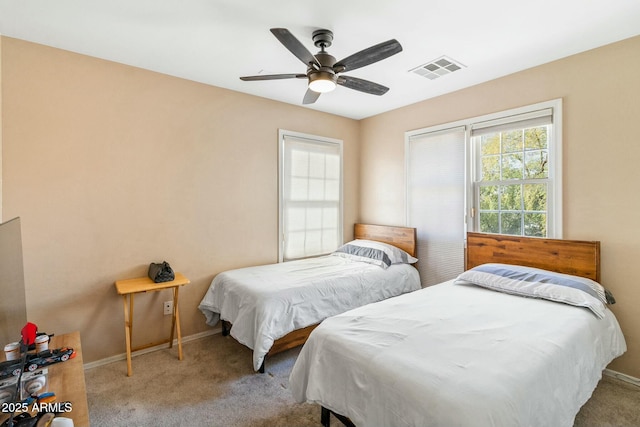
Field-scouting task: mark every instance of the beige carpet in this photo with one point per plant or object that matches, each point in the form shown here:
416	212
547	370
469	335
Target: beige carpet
215	386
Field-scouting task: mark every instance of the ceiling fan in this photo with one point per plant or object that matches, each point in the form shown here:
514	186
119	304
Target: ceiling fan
323	71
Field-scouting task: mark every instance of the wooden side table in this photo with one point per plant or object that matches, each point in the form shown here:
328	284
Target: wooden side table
128	288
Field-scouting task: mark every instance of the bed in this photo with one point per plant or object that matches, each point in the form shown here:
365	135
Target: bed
274	307
462	354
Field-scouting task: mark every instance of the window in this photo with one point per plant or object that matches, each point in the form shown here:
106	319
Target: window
310	204
499	173
513	182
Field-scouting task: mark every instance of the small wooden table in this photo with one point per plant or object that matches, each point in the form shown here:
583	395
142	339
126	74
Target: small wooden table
127	288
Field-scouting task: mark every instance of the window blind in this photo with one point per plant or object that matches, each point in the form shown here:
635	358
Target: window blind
311	194
520	121
436	202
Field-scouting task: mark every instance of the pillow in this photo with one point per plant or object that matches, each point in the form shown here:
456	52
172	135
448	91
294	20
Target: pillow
537	283
372	252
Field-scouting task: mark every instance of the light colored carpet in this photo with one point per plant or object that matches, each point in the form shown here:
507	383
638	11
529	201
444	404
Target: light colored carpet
214	385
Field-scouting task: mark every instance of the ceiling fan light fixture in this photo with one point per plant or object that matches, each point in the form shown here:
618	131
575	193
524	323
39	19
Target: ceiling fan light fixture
322	81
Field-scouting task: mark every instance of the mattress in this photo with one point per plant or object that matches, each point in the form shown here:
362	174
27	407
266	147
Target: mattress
457	355
265	303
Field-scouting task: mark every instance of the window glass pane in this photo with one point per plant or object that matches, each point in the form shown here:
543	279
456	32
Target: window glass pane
511	197
489	197
490	168
490	144
536	164
536	138
489	222
535	197
535	224
511	223
512	166
512	141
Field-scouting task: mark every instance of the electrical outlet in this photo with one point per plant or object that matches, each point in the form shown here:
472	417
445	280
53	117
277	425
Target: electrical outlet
167	307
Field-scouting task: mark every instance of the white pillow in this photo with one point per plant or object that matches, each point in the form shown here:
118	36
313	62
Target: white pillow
372	252
538	283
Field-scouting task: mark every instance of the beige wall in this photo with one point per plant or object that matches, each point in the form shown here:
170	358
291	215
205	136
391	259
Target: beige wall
601	107
112	167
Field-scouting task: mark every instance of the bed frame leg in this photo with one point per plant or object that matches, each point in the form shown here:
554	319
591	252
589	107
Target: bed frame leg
325	417
225	328
261	370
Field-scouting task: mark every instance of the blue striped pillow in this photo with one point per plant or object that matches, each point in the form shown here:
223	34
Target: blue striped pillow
538	283
372	252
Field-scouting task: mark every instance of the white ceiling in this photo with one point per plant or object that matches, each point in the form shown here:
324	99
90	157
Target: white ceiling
217	41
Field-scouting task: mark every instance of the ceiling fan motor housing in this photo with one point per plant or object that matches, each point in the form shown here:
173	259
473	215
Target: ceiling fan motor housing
325	71
325	60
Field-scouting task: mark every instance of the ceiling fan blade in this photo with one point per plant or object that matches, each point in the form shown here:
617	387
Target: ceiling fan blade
362	85
310	97
273	77
368	56
293	44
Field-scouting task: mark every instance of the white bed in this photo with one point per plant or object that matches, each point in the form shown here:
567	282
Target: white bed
266	303
457	355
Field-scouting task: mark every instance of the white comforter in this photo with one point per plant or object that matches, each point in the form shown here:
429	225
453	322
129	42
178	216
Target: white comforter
457	355
267	302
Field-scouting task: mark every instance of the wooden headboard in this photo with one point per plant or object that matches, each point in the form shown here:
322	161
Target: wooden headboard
401	237
577	257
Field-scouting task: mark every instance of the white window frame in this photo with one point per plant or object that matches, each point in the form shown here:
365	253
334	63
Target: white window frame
282	134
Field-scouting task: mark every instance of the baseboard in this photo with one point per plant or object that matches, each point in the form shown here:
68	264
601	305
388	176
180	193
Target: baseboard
123	356
623	377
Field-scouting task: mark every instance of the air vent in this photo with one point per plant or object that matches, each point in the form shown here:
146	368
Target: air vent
437	68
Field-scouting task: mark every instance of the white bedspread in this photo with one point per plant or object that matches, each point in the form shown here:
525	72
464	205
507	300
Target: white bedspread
457	355
265	303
